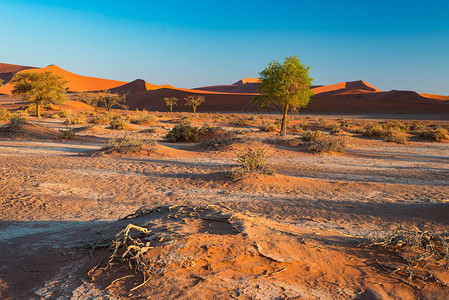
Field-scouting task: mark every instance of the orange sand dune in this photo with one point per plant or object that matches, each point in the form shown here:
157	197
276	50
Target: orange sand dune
76	83
341	101
346	85
7	71
439	97
243	86
137	86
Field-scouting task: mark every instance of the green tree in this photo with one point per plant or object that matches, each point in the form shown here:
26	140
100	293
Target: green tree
170	102
104	98
194	101
39	88
285	85
1	82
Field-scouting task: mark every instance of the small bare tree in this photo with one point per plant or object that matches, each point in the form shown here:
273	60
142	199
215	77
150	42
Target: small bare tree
194	101
170	102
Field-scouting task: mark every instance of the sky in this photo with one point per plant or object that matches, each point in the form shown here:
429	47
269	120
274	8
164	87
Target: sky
402	45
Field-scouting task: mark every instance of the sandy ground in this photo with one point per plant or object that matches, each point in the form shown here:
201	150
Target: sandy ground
308	218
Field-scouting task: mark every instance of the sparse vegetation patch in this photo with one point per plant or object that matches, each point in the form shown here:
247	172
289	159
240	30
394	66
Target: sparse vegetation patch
252	161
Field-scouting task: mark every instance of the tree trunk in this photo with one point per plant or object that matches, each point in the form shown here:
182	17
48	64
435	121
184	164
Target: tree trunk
194	109
171	108
38	110
284	121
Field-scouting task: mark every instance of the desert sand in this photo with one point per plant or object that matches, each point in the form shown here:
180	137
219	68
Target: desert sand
299	233
304	230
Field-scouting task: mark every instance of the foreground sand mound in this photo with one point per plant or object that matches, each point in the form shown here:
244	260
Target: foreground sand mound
214	252
76	106
30	131
76	83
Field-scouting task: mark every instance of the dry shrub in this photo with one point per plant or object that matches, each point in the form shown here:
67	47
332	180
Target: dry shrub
117	123
184	133
423	252
242	122
15	123
252	161
102	119
75	119
5	115
437	135
298	128
395	135
374	130
64	113
280	141
215	138
269	127
312	136
65	134
143	118
319	142
128	144
389	132
208	133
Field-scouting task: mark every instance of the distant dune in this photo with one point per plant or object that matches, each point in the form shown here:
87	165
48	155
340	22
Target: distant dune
137	86
346	85
76	83
342	98
7	71
246	85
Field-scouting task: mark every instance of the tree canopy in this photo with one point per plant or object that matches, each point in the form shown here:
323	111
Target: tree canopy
170	102
105	98
194	101
285	85
39	88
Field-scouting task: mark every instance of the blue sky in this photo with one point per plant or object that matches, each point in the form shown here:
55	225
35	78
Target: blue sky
390	44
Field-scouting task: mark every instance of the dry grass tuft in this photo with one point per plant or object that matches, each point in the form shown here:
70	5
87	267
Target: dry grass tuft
423	252
5	115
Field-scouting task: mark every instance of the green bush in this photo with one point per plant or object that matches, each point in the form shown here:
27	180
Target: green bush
5	115
184	133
